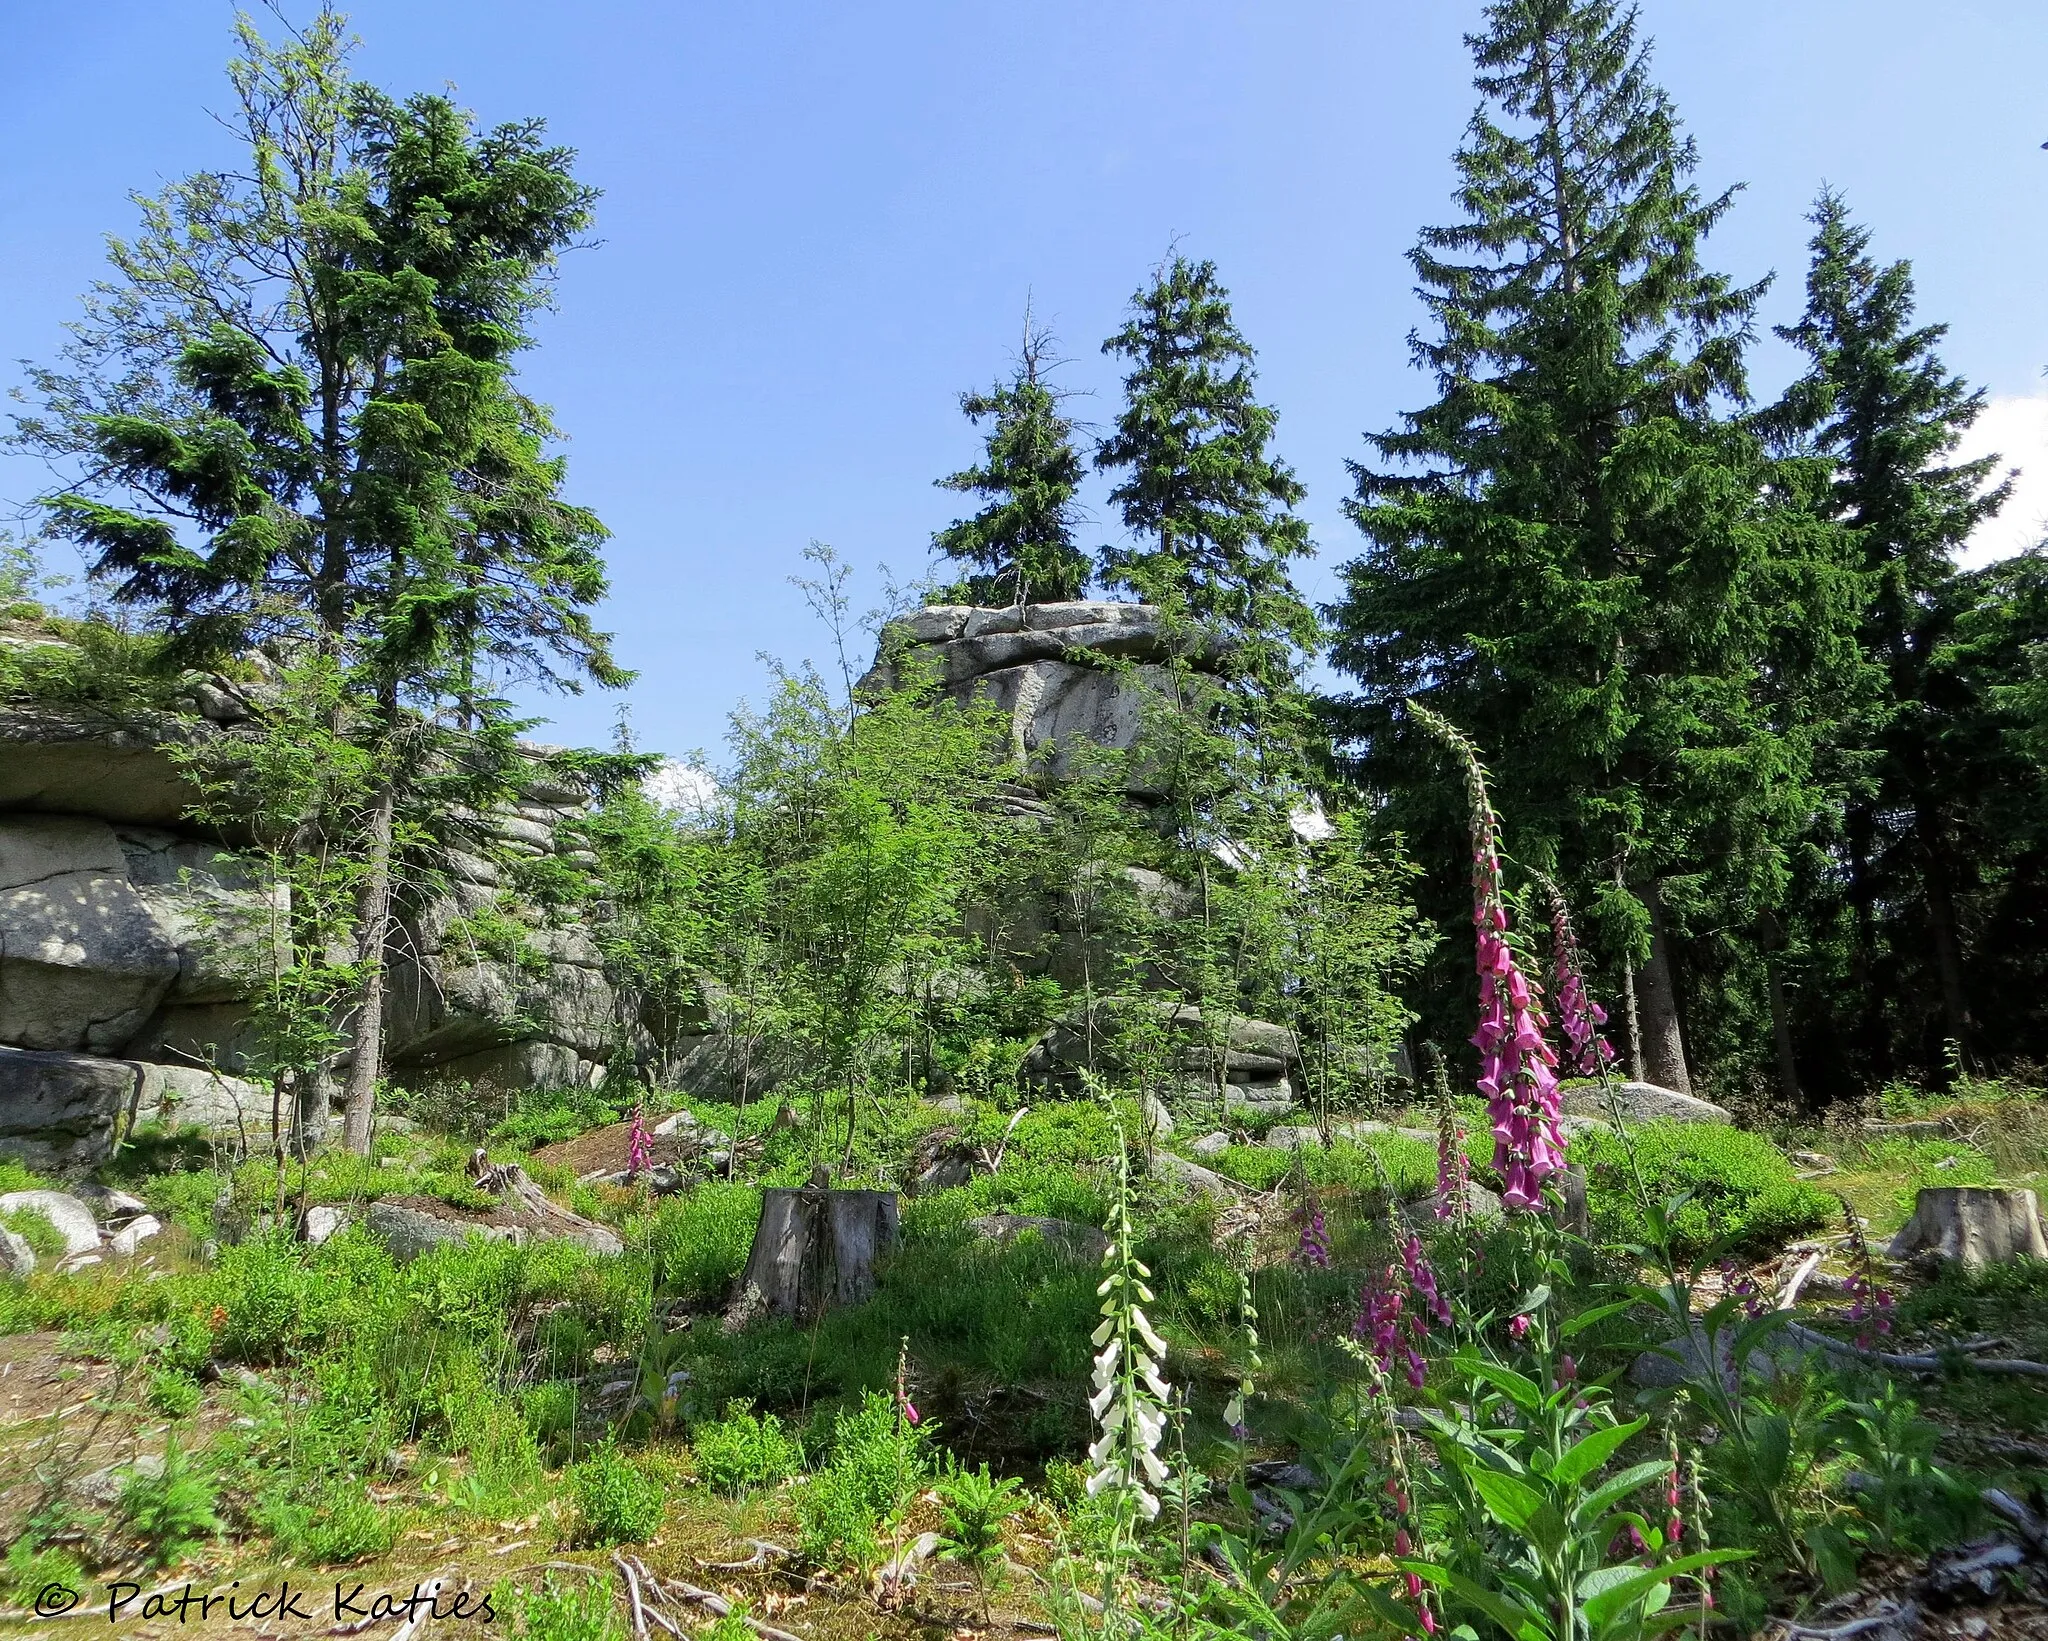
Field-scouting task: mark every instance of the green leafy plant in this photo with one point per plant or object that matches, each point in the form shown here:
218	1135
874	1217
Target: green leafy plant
876	1463
617	1502
743	1450
579	1610
171	1509
1566	1553
973	1505
330	1523
1724	1188
33	1226
172	1393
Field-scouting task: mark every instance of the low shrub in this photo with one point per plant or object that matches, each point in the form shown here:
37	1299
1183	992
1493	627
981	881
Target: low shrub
172	1510
743	1450
617	1502
877	1463
33	1226
581	1610
172	1393
699	1242
1742	1190
330	1524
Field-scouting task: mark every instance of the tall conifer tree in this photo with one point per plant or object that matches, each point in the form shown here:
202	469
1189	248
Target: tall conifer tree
1021	544
1881	409
1573	552
293	415
1212	509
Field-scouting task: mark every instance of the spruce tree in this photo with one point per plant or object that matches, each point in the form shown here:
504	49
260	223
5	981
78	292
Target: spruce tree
293	418
1022	543
1881	409
1574	553
1212	509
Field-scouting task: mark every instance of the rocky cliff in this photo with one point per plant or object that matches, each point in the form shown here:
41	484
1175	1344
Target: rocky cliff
127	938
1066	675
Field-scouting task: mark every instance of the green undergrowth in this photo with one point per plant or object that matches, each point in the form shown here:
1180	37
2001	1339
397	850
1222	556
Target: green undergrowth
1741	1193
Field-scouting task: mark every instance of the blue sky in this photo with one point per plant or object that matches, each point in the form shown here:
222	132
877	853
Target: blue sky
822	222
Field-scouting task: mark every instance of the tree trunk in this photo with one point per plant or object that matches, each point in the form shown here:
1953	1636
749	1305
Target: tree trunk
359	1105
1869	1024
1941	927
1781	1035
1974	1225
1771	938
814	1248
1657	1000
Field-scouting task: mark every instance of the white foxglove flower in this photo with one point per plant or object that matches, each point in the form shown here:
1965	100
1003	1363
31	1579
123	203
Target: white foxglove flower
1128	1406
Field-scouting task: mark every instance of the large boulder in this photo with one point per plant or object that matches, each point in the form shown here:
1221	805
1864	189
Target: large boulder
1642	1102
83	961
1067	676
83	761
229	929
59	1112
1261	1060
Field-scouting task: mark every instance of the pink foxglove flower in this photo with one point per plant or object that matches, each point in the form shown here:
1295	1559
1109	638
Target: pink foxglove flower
1313	1248
1517	1067
639	1146
1579	1018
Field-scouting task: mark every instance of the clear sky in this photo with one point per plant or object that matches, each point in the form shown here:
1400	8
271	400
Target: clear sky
821	222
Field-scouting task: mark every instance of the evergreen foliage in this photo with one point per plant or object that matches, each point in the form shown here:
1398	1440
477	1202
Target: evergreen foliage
1575	552
1883	414
1021	544
1212	508
292	417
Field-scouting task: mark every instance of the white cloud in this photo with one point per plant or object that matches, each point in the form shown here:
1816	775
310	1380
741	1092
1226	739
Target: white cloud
684	788
2015	428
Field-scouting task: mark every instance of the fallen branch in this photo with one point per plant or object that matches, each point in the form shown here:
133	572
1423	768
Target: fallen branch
995	1162
2025	1522
1790	1296
1916	1364
710	1600
1890	1615
900	1571
632	1596
764	1552
430	1589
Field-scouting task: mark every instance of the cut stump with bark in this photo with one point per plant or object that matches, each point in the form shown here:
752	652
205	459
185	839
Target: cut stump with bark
1975	1225
814	1248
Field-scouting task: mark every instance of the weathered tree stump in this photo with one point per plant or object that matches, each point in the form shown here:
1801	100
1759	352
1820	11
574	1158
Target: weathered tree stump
814	1248
1975	1225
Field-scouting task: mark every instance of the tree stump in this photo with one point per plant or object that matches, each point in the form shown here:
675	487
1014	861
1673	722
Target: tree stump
1976	1225
814	1248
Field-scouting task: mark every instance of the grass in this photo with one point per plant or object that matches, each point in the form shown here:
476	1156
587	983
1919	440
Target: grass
333	1408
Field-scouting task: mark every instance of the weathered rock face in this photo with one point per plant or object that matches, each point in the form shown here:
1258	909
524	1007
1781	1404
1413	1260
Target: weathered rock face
1642	1102
1046	667
1261	1061
130	945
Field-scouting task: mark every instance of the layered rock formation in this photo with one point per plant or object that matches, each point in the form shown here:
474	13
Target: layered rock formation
131	943
1068	676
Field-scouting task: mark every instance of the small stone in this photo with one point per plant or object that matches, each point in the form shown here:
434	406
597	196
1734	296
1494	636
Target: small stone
125	1241
72	1219
1167	1166
17	1258
322	1221
1084	1242
1158	1120
675	1122
1211	1145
